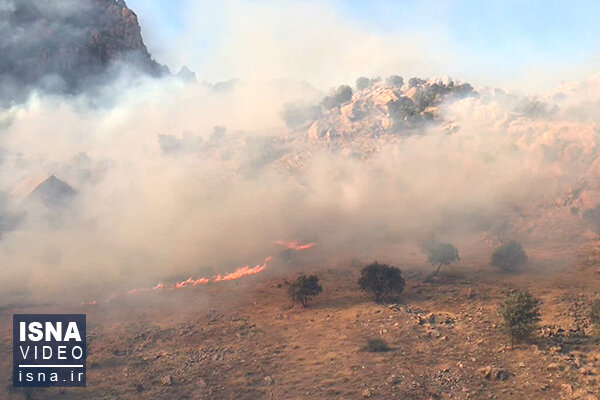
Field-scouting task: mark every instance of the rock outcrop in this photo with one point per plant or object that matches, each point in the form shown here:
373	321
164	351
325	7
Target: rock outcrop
52	193
64	45
383	108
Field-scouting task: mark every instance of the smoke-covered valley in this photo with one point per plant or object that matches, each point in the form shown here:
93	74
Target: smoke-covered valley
158	178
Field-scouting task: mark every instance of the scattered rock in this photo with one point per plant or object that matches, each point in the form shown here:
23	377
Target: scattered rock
502	375
367	393
534	348
269	380
553	367
486	372
435	333
393	380
167	380
497	374
555	349
567	388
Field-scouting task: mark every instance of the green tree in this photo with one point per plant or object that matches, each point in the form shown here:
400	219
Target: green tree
383	282
394	81
439	253
339	96
362	83
509	256
414	82
304	288
520	313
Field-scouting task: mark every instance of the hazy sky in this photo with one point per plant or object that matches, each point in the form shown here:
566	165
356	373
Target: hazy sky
533	44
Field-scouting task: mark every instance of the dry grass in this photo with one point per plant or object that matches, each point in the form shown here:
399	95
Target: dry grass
248	341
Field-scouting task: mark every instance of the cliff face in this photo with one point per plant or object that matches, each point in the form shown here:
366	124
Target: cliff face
62	44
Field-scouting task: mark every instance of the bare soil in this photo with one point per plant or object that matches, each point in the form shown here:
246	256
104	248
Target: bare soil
246	340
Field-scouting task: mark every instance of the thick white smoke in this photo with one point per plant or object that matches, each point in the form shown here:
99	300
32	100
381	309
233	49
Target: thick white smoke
162	196
181	179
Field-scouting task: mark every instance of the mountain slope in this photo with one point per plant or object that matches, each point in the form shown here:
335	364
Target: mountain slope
61	45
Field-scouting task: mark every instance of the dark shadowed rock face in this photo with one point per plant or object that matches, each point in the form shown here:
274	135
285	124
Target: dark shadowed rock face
53	193
62	45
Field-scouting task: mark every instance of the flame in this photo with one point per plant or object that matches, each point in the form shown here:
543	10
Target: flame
239	273
183	284
295	245
244	271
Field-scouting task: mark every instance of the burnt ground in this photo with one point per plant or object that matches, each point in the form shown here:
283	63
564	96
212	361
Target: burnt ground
246	340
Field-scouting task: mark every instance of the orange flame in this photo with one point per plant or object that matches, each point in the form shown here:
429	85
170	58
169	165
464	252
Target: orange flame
295	245
239	273
244	271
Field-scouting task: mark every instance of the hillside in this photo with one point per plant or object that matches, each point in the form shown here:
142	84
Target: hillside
65	46
246	340
181	211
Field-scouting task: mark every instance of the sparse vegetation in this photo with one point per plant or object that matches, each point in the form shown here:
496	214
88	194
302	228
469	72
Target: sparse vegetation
439	253
422	381
395	81
414	82
362	83
340	96
376	345
520	313
383	282
509	256
304	288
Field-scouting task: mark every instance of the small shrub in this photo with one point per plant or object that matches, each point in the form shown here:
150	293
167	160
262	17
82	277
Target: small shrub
362	83
394	81
520	313
304	288
439	254
414	82
383	282
376	345
509	256
339	96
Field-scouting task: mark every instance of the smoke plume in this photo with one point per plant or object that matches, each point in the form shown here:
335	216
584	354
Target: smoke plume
173	178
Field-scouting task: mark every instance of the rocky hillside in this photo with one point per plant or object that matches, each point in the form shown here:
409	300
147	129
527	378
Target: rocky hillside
63	44
247	340
375	107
